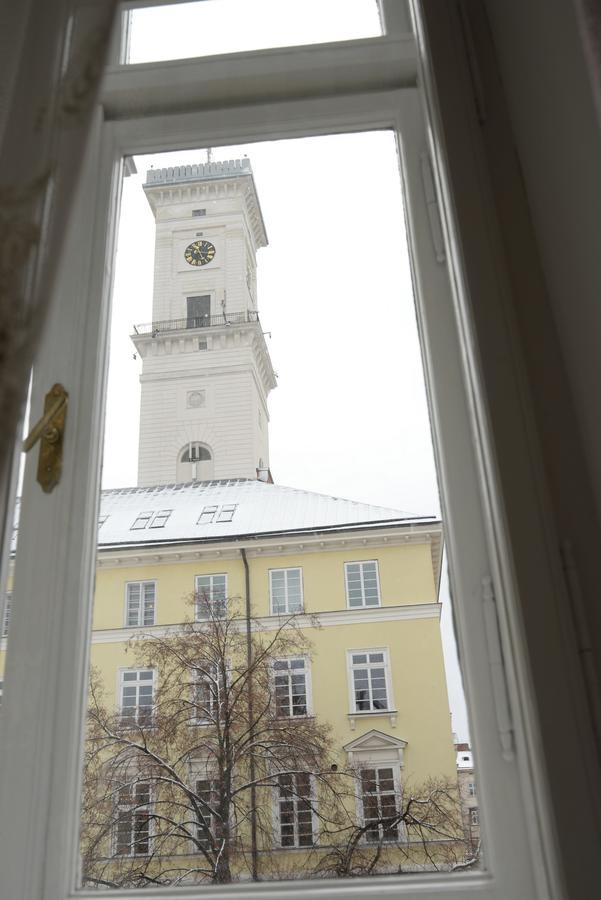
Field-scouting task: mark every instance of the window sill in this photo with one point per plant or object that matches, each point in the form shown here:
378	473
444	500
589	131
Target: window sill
391	713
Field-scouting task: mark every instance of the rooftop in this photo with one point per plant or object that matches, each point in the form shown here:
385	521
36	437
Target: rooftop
200	172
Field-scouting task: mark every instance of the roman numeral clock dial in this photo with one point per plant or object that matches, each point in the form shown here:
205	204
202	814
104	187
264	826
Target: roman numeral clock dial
199	253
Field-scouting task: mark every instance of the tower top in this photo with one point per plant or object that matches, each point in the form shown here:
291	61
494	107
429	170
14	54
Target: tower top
208	171
210	180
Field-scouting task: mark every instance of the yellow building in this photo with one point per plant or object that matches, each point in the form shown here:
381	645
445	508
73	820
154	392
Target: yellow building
325	611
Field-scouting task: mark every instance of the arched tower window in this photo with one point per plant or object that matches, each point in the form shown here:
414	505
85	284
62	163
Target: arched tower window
194	463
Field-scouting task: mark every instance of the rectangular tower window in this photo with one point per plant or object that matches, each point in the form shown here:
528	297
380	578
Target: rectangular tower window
132	827
295	810
198	311
211	596
362	584
140	603
379	801
199	212
370	689
137	696
285	591
290	676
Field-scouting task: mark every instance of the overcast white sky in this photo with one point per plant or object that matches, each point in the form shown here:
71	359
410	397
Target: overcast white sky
349	416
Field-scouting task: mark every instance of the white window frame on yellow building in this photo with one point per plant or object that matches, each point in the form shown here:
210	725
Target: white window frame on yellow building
277	845
390	709
120	685
142	607
361	563
211	575
308	682
287	611
373	83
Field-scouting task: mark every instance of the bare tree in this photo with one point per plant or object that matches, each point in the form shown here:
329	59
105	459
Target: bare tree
178	785
212	759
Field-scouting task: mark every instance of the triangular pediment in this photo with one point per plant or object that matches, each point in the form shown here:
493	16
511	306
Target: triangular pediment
373	741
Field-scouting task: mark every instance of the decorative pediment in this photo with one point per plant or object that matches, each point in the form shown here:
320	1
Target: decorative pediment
377	748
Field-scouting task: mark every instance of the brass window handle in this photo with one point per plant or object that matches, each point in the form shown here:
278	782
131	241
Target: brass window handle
38	429
49	431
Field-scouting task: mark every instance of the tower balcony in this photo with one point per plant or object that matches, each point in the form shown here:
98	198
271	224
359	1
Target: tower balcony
154	329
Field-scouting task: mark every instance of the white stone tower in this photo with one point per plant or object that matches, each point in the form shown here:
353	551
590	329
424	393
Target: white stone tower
206	371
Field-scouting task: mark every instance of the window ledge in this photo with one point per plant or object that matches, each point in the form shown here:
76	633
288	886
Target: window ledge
391	713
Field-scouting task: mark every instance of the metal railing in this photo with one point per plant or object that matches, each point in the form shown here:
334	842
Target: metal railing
156	328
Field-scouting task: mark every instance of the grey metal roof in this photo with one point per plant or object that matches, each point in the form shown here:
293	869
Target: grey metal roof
260	509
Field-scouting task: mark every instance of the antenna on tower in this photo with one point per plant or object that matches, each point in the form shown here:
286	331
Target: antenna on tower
209	154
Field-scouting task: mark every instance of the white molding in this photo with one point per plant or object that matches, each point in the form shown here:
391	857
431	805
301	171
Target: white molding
272	623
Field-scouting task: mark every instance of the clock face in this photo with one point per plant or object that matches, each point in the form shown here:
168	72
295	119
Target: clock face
199	253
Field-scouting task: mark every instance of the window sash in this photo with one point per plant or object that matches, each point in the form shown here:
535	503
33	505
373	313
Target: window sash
132	826
291	687
286	591
137	696
379	798
296	825
140	603
209	689
211	597
362	584
369	672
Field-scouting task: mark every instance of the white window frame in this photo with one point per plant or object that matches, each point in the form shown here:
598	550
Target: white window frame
122	682
353	711
8	599
142	604
135	806
44	709
277	818
199	677
211	575
396	776
287	611
362	562
308	683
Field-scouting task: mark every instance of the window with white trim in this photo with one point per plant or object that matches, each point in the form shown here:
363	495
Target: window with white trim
296	823
207	515
379	801
141	520
209	689
140	603
209	826
291	688
132	824
226	513
474	816
137	696
211	596
369	674
161	518
471	788
285	591
362	584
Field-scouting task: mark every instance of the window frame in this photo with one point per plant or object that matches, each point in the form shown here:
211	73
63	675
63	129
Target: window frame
308	684
210	575
361	563
277	822
396	777
142	607
121	672
287	611
478	539
136	806
386	665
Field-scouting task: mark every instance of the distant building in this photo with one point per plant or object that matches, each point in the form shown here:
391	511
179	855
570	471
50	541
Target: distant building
468	793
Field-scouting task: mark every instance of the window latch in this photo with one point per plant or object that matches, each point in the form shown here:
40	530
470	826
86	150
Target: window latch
49	431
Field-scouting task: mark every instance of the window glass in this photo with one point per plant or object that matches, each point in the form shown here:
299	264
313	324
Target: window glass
290	687
286	591
362	584
207	27
211	596
370	692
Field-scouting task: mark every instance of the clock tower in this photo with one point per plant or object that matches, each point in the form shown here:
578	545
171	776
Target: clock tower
206	371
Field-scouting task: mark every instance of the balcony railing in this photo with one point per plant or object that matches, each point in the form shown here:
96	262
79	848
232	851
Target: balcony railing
156	328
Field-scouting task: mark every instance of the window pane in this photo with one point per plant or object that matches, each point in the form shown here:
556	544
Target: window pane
229	26
288	512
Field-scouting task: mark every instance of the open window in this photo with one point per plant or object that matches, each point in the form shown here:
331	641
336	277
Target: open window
367	84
